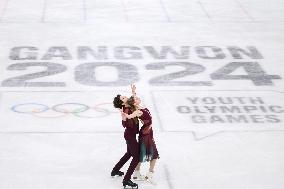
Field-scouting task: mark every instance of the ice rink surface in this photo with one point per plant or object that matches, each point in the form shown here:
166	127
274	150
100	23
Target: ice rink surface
211	73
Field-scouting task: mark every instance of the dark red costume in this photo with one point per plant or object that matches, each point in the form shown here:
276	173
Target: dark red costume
131	129
148	149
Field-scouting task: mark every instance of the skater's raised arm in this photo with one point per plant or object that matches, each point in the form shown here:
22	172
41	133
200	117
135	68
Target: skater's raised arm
133	90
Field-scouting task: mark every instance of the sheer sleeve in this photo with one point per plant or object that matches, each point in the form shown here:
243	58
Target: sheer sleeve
147	122
147	119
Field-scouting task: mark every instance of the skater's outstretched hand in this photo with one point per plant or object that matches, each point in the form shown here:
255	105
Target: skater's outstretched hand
133	89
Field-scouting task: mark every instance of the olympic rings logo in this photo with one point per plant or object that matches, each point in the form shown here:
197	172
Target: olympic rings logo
60	110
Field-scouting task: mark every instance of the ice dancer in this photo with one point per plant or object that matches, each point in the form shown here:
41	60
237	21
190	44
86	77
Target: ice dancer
148	149
131	130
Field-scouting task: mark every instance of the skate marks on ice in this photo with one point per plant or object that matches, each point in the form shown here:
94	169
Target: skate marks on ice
168	177
233	159
199	136
76	11
59	160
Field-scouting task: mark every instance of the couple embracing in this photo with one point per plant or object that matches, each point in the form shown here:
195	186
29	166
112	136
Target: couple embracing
142	150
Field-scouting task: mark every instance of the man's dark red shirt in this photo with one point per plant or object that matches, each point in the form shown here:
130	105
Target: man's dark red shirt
131	125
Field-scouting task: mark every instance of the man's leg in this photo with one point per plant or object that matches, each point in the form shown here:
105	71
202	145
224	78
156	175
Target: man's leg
134	151
122	161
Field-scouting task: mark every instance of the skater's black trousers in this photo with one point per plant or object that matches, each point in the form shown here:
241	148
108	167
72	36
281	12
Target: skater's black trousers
132	151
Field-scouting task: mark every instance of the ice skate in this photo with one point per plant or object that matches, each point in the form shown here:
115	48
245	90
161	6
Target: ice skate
149	178
130	184
137	176
116	173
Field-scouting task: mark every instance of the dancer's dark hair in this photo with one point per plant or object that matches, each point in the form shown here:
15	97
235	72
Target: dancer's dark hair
131	102
117	103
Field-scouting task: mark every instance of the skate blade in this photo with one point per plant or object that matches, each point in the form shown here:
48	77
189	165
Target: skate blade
130	187
116	176
151	182
139	179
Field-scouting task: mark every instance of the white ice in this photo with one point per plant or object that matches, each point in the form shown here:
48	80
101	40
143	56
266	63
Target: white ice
76	144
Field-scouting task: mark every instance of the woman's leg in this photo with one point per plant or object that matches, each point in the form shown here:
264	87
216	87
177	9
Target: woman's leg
137	175
138	167
149	175
152	165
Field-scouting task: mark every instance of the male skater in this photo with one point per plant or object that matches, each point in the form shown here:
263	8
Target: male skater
131	129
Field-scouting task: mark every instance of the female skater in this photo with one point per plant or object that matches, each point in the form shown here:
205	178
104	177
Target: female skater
148	149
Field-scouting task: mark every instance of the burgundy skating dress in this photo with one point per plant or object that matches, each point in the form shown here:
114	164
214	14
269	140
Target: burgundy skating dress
148	149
